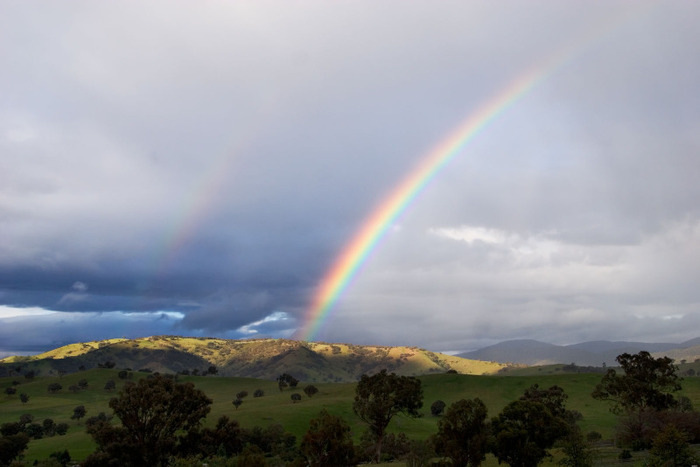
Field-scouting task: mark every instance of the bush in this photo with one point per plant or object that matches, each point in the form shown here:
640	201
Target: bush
437	408
61	429
258	393
296	397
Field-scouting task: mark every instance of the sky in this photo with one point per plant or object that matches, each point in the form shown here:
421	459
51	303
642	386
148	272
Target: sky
197	168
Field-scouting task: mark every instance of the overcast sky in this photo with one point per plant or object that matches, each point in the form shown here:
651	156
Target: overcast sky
194	168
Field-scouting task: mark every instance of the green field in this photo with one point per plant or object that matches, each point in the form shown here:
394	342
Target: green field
277	407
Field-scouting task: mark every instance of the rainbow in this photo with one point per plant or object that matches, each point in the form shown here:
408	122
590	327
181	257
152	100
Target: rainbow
356	252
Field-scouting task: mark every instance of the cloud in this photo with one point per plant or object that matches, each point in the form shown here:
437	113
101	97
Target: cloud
213	162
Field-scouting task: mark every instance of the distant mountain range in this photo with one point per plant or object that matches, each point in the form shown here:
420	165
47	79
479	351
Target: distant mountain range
255	358
593	353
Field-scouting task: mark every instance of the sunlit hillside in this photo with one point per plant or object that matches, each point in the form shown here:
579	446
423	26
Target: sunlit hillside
257	358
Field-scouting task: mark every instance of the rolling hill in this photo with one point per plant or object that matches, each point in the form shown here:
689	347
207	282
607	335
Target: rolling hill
254	358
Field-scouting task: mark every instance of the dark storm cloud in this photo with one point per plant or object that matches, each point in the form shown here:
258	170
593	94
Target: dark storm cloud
210	161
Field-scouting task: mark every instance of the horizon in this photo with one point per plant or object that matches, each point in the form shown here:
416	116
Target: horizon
453	174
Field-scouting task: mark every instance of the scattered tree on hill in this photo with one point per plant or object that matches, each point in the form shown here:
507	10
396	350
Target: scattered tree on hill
78	412
49	426
463	433
24	398
10	391
647	383
212	370
83	384
258	393
310	390
34	430
328	442
62	457
437	407
237	402
61	428
296	397
284	380
110	385
155	413
53	388
73	388
241	394
380	397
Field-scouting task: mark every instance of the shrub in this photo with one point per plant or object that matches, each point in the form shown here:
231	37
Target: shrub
437	408
258	393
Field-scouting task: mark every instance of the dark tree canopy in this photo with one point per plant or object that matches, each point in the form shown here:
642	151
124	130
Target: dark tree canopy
647	383
437	408
463	433
310	390
328	442
378	398
78	412
153	413
524	431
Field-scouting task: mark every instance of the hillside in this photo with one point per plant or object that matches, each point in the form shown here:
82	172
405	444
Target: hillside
255	358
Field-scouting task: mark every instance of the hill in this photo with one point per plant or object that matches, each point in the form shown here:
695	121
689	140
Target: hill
592	353
253	358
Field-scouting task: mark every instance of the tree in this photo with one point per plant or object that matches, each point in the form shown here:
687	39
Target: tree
310	390
437	407
78	412
258	393
53	388
380	397
328	442
241	394
524	431
11	447
296	397
577	450
554	398
10	391
110	385
83	384
155	413
285	380
49	426
237	402
671	449
24	398
463	433
647	383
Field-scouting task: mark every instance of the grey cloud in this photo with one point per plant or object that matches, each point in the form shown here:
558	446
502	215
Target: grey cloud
194	160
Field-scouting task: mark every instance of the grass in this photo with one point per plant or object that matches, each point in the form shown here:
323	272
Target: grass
277	407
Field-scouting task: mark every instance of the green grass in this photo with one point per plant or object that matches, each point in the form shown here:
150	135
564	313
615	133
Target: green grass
277	407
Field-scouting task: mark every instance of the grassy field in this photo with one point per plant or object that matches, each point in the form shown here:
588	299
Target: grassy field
277	407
